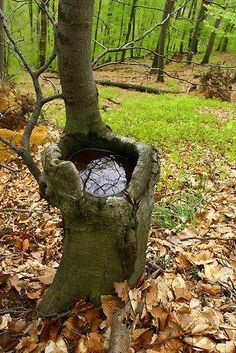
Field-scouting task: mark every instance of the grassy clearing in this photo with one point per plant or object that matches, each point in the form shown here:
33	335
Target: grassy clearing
167	121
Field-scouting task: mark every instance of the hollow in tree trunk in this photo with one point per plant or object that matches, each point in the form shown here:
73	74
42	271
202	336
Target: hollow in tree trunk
105	235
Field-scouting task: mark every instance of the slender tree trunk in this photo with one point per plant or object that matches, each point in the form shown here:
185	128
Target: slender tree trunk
43	35
105	237
226	39
159	60
193	48
133	32
121	30
1	43
96	27
210	44
109	37
131	19
31	20
191	15
74	60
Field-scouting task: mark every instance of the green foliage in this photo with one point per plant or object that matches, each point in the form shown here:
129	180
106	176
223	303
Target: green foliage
112	27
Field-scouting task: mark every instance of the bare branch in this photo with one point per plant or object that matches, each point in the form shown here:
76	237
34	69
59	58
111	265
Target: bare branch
11	145
11	169
126	46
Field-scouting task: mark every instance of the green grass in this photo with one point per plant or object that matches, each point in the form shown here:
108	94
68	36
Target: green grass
166	121
179	211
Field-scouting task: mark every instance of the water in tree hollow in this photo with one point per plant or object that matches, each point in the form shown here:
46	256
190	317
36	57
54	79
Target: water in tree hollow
102	172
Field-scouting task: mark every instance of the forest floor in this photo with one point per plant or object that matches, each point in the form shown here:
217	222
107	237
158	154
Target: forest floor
186	299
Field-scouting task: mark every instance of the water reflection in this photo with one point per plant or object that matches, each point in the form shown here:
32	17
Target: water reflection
103	173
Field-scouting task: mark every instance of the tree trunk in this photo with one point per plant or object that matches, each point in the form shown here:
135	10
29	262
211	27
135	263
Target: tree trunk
121	31
105	237
74	57
1	44
226	38
43	36
159	60
210	44
193	48
190	16
96	28
131	19
31	20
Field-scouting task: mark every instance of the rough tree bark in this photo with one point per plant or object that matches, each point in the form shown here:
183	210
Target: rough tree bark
159	59
105	237
211	41
1	43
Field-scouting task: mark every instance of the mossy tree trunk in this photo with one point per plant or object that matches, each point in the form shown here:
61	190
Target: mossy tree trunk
105	237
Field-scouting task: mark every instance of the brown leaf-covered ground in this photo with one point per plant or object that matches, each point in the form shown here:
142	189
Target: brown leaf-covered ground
185	300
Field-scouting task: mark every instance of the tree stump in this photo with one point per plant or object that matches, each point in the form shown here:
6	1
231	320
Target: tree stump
105	237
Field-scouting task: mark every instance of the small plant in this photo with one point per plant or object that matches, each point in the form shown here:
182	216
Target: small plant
179	211
165	262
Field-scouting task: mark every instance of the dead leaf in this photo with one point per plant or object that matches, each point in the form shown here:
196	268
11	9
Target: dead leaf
109	304
228	347
171	346
56	347
4	321
201	342
161	315
17	325
48	277
180	290
93	319
122	290
210	289
141	338
26	345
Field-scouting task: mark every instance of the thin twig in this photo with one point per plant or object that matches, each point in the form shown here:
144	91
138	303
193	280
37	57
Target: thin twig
11	169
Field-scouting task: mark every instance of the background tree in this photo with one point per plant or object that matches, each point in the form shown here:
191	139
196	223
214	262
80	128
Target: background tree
43	34
159	59
193	47
131	24
211	41
1	43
